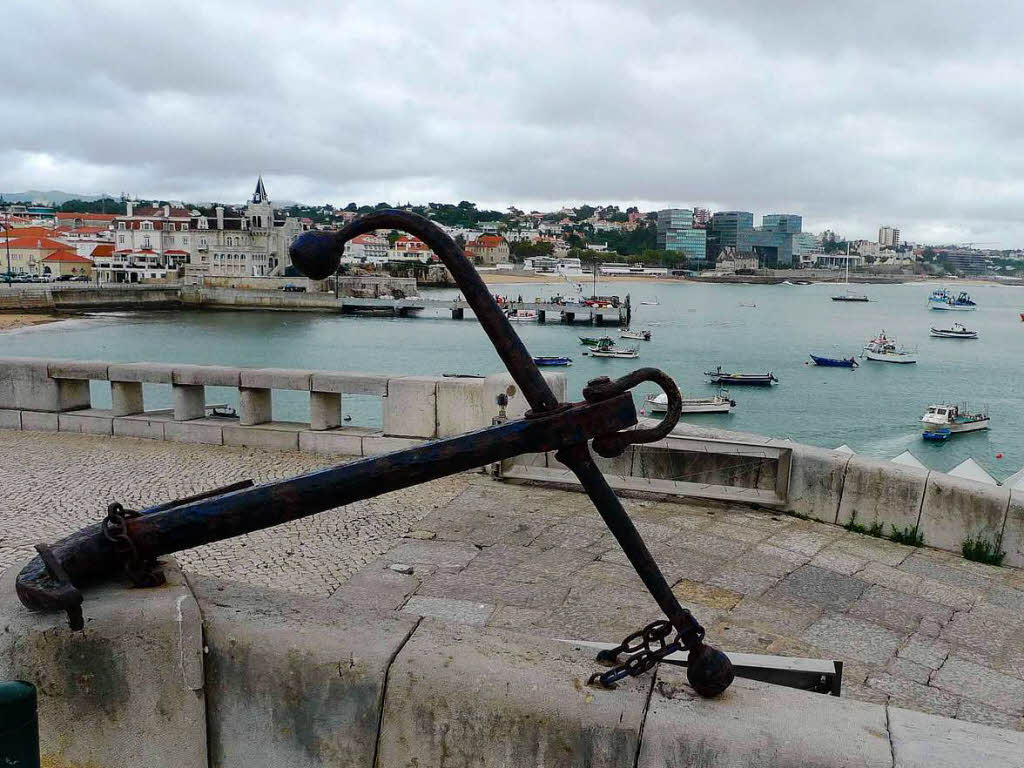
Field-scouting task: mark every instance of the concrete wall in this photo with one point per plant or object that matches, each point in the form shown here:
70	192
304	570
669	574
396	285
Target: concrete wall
222	674
261	283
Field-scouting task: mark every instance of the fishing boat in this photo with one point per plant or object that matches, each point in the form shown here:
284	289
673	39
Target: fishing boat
962	302
523	316
720	403
718	376
593	341
832	362
936	434
883	349
955	418
639	335
939	296
630	353
956	332
552	360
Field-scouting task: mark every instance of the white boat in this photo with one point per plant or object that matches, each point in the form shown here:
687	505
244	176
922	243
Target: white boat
720	403
956	332
654	303
945	300
630	353
639	335
955	418
883	349
850	295
523	316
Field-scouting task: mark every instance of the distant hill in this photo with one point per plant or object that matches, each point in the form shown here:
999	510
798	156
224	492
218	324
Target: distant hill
55	196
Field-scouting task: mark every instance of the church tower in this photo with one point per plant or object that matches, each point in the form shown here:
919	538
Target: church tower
259	211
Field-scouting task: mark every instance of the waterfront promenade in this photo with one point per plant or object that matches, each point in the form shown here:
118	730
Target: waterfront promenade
916	628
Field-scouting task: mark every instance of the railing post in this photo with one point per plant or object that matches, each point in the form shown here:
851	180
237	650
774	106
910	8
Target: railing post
19	725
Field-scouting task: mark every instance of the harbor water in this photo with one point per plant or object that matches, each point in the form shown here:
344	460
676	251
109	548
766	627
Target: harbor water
875	409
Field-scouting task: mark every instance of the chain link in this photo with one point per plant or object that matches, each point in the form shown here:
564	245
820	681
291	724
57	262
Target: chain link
142	573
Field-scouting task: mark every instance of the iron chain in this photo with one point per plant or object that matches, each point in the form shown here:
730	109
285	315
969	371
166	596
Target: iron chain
142	573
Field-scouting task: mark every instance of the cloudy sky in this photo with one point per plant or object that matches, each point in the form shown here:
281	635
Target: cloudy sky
853	114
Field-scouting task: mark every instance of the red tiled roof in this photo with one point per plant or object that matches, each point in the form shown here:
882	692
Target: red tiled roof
36	242
485	241
106	249
68	256
30	232
178	253
90	230
94	216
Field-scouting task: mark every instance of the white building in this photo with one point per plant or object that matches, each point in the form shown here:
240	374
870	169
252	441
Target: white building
889	237
366	249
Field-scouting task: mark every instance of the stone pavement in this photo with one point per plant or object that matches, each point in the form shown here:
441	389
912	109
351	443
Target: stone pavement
51	485
917	628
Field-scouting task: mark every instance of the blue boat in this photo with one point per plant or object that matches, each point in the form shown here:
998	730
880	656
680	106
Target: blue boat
936	434
831	362
552	360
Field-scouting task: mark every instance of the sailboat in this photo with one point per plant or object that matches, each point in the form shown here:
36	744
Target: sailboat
849	295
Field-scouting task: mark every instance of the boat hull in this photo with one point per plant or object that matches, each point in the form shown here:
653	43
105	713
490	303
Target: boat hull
623	355
882	357
954	307
750	381
958	428
695	406
851	298
939	333
829	362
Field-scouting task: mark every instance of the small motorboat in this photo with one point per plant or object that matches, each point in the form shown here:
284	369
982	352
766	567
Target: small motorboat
649	303
718	376
936	434
523	316
630	353
883	349
956	332
639	335
954	419
552	360
720	403
832	362
593	341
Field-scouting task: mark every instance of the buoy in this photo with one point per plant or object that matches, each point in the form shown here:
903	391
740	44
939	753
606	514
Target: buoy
999	455
643	412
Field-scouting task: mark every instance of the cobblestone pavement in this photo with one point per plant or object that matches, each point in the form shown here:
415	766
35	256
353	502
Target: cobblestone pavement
52	485
916	628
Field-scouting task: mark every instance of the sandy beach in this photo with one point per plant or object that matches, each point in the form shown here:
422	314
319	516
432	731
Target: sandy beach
8	322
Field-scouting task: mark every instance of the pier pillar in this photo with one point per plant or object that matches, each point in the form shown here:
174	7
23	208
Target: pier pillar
568	317
126	398
458	314
598	319
541	316
255	406
189	401
324	410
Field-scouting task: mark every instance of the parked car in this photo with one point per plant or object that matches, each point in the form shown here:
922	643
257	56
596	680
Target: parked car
292	288
80	279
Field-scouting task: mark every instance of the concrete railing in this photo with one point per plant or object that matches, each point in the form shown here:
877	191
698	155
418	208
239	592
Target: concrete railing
203	672
55	395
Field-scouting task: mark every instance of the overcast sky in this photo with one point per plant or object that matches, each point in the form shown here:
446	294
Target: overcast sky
852	114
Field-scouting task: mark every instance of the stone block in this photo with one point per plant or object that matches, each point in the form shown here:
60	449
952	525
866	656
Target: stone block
816	482
255	406
375	445
189	401
461	407
276	378
446	555
756	724
150	373
487	697
204	431
376	586
10	419
410	408
324	410
78	369
292	681
139	426
1013	531
880	491
927	741
25	384
350	383
517	405
332	441
89	422
273	435
446	609
206	375
34	421
956	508
126	398
125	691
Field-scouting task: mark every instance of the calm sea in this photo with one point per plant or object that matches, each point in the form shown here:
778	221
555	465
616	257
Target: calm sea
875	409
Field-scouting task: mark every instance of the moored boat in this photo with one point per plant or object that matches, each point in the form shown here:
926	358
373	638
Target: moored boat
639	335
939	296
883	349
593	341
523	316
955	418
718	376
936	434
630	353
832	362
720	403
962	302
956	332
552	360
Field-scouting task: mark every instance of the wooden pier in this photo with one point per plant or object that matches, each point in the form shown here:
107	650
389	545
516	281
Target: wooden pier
564	313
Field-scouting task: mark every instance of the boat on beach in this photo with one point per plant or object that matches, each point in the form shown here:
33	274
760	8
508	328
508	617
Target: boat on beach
833	362
718	376
720	403
883	349
639	335
552	360
956	332
955	418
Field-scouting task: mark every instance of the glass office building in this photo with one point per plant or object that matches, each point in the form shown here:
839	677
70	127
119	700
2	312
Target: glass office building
676	233
731	228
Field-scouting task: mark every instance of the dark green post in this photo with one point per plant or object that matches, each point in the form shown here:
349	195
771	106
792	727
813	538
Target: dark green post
19	725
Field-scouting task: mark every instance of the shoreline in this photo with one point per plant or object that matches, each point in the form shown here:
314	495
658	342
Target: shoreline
14	321
512	278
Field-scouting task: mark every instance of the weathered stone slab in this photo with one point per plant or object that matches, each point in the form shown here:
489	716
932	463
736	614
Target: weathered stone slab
93	422
276	378
455	611
822	587
880	491
125	691
965	678
25	384
956	508
273	435
855	638
10	419
255	406
461	407
332	441
816	482
37	421
189	401
410	408
150	373
447	555
78	369
126	398
206	375
350	383
324	410
756	724
376	586
293	681
487	697
1013	531
374	445
196	431
139	426
927	741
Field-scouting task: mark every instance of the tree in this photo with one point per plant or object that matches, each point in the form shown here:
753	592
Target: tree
352	208
393	237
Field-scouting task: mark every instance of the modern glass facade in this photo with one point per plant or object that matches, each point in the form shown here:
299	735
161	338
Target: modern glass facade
676	233
730	228
782	222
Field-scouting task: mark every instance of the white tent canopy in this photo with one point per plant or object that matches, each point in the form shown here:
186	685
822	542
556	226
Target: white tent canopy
908	459
969	469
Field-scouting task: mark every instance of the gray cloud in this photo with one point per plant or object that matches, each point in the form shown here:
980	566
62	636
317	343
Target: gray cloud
854	114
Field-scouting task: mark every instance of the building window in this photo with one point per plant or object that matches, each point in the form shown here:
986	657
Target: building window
147	225
120	225
120	239
145	242
184	240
